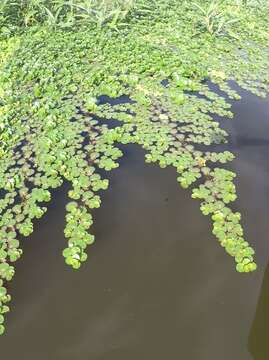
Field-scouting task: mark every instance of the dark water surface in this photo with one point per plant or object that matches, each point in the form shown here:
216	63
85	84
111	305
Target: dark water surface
156	285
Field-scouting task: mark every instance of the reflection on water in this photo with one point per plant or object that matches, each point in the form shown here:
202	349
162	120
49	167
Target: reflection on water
258	338
156	285
250	140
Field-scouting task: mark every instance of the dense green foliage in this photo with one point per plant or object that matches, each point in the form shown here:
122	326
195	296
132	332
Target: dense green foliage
52	87
18	14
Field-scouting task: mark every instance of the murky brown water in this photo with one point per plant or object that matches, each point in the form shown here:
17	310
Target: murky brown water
157	285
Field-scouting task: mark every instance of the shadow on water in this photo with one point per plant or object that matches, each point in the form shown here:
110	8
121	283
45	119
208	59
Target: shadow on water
156	285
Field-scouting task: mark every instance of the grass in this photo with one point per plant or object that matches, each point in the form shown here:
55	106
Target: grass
63	13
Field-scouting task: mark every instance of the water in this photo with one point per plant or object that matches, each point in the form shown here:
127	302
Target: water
156	285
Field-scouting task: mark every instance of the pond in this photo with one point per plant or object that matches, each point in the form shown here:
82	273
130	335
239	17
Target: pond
156	284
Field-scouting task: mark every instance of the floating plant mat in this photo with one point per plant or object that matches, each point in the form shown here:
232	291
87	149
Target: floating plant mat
50	81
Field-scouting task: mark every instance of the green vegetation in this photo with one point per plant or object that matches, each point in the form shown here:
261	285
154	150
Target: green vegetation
55	63
20	14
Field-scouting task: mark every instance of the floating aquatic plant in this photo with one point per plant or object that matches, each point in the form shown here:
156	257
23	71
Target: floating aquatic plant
57	99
